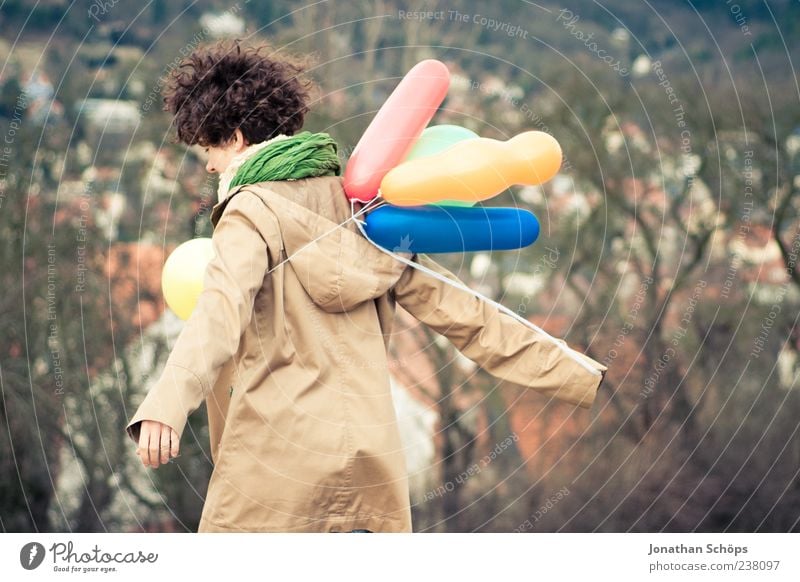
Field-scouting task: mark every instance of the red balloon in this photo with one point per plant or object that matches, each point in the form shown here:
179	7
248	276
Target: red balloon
396	127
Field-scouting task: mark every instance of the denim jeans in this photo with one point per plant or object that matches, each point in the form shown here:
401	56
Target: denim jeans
360	531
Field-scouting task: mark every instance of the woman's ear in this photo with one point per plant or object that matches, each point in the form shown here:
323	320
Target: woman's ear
239	143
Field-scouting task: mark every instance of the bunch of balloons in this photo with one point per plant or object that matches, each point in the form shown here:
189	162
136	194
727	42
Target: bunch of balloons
430	177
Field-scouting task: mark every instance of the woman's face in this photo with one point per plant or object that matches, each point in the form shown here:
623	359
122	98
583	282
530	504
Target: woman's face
219	157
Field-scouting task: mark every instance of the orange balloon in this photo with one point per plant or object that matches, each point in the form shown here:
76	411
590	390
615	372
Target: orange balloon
474	170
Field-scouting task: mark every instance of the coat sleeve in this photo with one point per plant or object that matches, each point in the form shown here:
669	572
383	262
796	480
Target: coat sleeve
501	345
211	335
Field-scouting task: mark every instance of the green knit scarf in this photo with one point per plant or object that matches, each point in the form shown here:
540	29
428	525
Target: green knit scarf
305	155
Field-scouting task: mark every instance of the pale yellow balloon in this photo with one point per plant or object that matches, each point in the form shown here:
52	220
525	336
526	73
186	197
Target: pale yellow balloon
182	278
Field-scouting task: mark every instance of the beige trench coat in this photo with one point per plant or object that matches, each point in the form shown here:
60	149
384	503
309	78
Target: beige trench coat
292	364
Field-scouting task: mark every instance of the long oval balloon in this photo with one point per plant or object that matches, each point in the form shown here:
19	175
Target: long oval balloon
441	229
395	129
474	170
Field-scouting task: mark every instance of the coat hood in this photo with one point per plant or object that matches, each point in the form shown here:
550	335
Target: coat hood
336	265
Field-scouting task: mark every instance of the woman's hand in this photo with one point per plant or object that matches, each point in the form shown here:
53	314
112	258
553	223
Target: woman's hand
157	443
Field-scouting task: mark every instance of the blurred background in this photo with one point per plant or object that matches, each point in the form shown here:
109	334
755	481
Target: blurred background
668	252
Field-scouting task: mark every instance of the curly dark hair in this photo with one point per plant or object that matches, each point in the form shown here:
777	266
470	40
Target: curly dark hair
220	88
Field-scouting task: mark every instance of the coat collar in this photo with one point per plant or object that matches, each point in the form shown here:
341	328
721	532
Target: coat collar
219	207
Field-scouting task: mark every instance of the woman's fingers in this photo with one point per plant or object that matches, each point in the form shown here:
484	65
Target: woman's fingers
157	443
153	444
175	443
165	446
144	442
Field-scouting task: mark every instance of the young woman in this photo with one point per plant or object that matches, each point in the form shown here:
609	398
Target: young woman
287	344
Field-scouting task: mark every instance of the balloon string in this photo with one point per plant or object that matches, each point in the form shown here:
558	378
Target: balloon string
573	354
353	217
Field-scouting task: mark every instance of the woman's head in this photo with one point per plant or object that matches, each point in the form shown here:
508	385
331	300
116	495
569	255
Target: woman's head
219	89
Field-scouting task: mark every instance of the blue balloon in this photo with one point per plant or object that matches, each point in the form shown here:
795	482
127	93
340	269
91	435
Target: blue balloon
450	229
